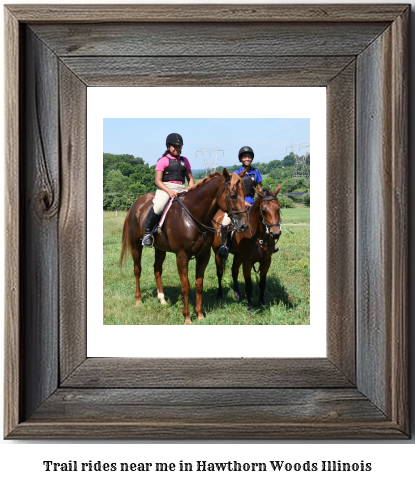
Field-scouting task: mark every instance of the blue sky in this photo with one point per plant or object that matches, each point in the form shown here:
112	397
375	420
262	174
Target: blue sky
146	138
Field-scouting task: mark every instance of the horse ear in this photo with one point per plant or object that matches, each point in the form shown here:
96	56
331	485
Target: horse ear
226	174
243	172
277	190
260	193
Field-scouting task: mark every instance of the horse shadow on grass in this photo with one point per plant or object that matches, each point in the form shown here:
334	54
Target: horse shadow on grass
275	293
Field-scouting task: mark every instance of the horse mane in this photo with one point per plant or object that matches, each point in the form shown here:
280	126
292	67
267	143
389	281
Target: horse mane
234	179
204	181
267	193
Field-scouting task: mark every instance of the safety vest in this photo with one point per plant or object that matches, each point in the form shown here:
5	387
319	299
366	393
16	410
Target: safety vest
175	171
250	184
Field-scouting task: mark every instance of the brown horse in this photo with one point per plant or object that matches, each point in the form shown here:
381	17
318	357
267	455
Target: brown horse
255	245
185	233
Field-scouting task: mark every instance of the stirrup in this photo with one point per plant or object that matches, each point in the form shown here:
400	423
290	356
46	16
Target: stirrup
148	240
223	252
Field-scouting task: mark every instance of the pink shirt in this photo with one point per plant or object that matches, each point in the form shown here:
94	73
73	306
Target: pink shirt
163	162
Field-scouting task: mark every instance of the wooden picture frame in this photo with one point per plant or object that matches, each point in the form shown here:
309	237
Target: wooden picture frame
360	53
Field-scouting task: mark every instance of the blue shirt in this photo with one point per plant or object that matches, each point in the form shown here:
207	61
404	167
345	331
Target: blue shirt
257	176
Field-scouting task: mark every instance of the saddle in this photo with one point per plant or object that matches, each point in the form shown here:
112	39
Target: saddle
159	227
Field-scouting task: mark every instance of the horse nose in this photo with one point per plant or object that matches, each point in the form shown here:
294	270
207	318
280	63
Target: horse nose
240	227
243	224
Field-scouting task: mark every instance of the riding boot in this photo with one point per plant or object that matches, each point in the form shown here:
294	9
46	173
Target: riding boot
223	250
152	220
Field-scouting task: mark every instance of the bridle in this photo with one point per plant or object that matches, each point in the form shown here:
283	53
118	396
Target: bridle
229	210
194	222
262	243
267	226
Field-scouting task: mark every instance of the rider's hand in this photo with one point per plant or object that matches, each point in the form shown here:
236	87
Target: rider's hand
172	193
247	204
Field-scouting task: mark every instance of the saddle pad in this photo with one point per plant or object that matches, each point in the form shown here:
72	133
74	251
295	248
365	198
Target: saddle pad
160	225
165	213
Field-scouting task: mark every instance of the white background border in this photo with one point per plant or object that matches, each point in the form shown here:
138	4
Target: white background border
207	340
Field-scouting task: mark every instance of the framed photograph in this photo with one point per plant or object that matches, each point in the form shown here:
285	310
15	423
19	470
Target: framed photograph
53	387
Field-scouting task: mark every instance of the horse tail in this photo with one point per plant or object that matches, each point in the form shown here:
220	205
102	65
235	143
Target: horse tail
125	240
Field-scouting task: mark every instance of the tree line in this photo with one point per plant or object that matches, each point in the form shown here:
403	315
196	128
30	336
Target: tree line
125	178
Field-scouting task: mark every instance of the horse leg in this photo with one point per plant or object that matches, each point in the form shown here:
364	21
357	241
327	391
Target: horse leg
266	263
247	267
183	268
235	271
201	263
136	253
219	274
160	256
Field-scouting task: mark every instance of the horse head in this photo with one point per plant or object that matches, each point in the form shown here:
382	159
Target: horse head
269	207
232	200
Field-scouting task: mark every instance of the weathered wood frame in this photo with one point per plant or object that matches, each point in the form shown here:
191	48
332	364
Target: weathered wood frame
360	53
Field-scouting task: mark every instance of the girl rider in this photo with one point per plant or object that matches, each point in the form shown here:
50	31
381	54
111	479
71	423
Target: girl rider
252	178
171	171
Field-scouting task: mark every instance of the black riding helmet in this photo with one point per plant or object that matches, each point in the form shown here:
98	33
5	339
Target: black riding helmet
174	140
245	150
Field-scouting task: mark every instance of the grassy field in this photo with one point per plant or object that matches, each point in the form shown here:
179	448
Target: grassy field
287	295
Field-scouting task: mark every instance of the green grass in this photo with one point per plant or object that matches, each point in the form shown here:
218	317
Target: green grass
297	215
287	294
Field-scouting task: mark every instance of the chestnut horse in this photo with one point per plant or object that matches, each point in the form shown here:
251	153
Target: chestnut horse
185	231
255	245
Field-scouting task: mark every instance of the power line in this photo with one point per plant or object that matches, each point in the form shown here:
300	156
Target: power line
272	142
263	139
280	140
263	159
293	127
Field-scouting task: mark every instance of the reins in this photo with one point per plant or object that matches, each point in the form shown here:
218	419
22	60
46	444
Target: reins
262	243
208	228
232	212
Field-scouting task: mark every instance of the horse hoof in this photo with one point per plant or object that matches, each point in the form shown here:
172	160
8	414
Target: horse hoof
187	321
160	296
200	316
250	308
237	296
138	303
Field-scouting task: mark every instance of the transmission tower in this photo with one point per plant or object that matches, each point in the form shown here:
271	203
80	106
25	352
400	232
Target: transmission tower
300	168
210	166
